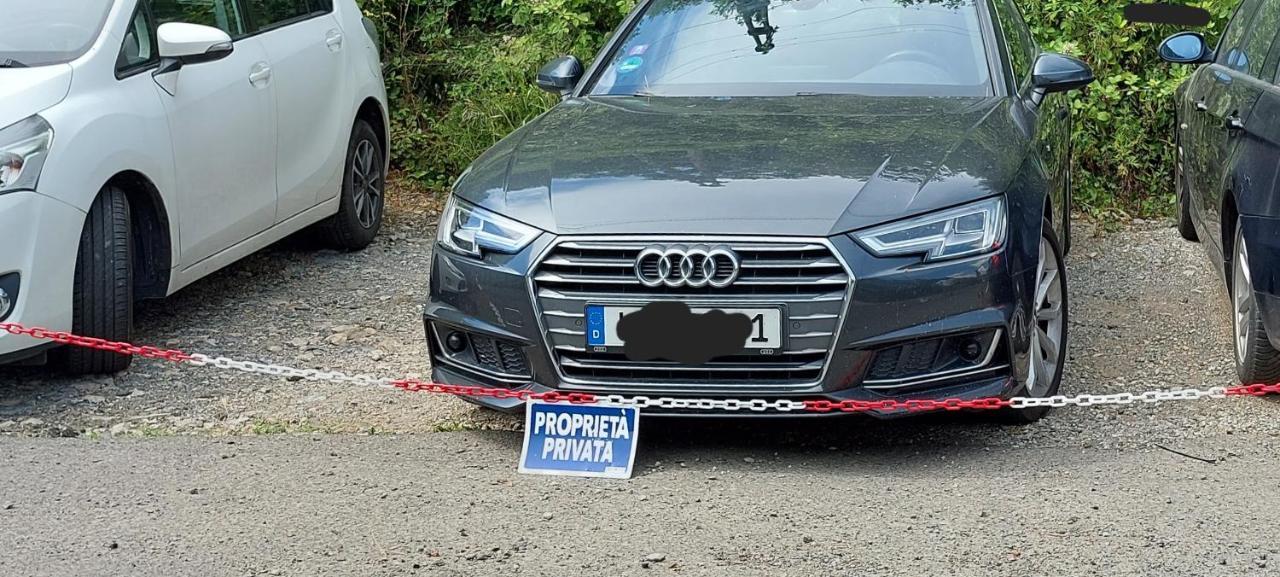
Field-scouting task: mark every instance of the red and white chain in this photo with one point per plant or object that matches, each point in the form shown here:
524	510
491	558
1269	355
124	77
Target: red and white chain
677	403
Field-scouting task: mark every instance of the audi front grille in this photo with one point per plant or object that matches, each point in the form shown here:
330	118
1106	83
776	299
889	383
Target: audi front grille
803	276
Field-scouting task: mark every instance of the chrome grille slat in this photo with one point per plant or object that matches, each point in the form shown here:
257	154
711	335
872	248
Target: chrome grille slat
589	262
602	296
629	366
804	275
797	264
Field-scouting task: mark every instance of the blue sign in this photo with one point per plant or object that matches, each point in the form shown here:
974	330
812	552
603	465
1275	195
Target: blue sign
579	440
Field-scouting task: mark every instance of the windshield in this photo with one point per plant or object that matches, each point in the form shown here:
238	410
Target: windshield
43	32
790	47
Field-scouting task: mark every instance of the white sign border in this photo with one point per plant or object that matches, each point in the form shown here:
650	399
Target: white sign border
528	433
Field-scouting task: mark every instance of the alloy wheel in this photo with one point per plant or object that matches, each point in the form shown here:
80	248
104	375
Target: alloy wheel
1050	323
366	183
1242	299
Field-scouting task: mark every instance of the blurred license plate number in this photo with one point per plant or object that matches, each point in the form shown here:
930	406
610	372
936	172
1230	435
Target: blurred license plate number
766	326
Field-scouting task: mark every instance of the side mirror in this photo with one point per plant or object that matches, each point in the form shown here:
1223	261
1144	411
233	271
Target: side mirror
1186	48
192	43
560	75
1054	72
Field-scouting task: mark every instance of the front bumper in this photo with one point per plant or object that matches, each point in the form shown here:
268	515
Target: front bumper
39	240
891	303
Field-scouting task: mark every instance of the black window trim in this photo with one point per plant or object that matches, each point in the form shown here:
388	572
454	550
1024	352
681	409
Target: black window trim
1016	85
142	6
321	8
314	12
1245	23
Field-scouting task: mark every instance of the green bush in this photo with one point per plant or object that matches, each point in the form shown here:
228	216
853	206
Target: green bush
459	73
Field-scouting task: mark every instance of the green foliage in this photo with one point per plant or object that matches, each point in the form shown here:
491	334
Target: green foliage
1124	122
460	74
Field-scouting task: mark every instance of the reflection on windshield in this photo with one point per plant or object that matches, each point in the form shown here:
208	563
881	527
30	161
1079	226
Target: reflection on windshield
755	14
872	47
44	32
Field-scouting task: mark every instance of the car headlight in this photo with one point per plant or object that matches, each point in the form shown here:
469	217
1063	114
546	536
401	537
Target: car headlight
956	232
23	147
468	229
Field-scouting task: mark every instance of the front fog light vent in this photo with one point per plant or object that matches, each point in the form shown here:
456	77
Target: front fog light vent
934	359
9	284
477	351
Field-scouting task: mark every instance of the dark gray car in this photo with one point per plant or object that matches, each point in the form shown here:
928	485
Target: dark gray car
860	199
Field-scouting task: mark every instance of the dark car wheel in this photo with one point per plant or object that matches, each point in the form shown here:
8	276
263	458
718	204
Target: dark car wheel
1185	227
1257	362
102	299
1048	355
363	193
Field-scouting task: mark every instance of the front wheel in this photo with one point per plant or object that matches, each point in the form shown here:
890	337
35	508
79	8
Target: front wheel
363	194
1047	357
1186	227
102	298
1257	362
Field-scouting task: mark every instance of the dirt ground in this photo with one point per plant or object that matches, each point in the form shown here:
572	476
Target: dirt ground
182	471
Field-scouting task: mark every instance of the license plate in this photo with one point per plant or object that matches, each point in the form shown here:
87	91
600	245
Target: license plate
766	325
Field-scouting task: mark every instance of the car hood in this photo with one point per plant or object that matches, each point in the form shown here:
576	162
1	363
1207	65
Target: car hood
27	91
798	166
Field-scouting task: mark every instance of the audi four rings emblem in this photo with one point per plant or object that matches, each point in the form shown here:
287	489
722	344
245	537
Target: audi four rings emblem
687	266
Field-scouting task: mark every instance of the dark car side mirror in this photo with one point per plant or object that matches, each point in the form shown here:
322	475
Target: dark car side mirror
1055	72
560	75
1186	48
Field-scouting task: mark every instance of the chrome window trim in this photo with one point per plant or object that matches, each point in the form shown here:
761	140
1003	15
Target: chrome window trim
638	387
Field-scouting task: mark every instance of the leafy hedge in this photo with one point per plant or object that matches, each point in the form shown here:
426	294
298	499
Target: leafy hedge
459	74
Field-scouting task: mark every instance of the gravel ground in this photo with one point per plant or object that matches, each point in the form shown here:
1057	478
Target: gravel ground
183	471
1147	312
739	502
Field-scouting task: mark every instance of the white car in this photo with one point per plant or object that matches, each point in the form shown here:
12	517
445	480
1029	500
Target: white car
147	143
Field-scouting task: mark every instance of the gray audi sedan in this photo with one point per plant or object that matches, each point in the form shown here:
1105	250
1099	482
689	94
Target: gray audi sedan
752	199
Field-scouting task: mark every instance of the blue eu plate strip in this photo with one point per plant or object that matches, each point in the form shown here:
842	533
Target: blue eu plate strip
595	326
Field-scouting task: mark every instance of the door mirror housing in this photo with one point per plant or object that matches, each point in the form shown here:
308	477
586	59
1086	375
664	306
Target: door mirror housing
192	43
1054	72
560	75
1186	48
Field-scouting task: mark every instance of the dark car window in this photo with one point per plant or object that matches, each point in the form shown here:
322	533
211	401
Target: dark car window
267	14
223	14
1022	49
1229	52
1260	36
139	48
43	32
785	47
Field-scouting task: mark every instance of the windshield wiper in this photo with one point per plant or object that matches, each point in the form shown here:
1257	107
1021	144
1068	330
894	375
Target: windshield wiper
11	63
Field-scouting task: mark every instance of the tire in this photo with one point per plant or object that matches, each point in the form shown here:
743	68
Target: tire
363	196
102	298
1257	362
1048	324
1186	228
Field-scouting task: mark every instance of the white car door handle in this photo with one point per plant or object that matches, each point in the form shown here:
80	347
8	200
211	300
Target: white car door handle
333	40
259	75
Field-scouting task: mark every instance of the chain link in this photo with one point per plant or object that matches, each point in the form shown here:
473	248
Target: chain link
645	402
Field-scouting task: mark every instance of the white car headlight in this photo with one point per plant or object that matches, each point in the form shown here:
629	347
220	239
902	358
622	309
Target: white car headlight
23	147
967	230
471	230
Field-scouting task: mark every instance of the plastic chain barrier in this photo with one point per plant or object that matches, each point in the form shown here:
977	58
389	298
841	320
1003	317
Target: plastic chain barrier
754	405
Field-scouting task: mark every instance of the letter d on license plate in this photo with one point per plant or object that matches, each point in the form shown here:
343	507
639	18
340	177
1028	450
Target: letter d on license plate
579	440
